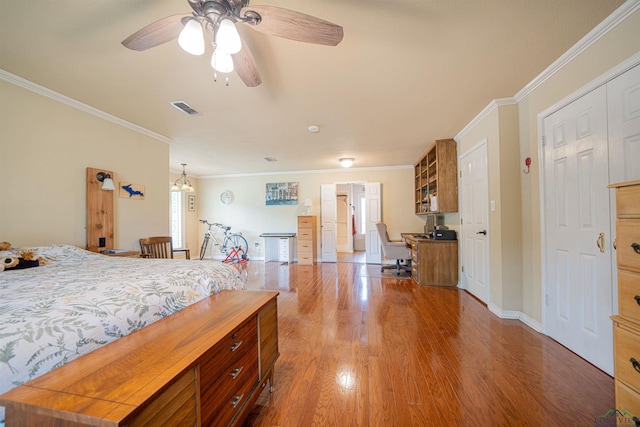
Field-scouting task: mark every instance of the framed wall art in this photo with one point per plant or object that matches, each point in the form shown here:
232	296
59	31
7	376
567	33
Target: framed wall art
281	193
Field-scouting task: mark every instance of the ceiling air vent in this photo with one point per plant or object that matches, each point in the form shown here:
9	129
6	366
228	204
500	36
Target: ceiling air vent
184	107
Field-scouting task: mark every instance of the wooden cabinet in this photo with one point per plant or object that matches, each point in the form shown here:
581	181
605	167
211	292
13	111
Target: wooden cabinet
307	246
204	365
626	325
433	262
436	174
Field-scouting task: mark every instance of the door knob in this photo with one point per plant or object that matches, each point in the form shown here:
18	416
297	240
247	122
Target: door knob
482	232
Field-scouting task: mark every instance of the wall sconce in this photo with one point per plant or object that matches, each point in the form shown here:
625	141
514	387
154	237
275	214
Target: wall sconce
107	182
346	162
308	204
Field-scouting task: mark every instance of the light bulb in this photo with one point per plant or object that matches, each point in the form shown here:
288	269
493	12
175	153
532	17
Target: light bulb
191	38
222	61
227	37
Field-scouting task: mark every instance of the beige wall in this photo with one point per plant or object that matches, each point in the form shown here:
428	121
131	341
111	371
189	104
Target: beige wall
45	148
249	214
498	127
612	49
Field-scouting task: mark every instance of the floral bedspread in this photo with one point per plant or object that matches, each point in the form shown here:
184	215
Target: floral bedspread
80	300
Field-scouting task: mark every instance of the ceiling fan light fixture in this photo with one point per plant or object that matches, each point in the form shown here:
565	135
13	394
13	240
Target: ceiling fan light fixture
191	38
227	37
221	61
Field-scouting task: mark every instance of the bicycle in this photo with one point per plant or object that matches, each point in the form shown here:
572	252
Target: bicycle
234	245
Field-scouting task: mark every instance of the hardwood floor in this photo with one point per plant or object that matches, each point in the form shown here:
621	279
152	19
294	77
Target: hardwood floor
364	351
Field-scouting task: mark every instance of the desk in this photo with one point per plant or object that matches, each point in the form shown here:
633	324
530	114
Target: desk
278	247
433	262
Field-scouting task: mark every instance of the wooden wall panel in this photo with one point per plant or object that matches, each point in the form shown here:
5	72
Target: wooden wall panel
99	212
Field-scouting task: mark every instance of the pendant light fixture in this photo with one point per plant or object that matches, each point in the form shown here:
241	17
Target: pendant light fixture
183	183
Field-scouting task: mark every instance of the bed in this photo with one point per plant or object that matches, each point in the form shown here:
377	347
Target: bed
80	300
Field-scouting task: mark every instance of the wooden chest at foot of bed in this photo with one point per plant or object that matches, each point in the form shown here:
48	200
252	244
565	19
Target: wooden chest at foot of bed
204	365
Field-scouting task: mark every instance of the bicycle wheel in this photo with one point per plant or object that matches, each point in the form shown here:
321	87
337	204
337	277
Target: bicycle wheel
236	248
203	248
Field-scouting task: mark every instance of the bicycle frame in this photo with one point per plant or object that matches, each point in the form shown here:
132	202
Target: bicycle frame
237	252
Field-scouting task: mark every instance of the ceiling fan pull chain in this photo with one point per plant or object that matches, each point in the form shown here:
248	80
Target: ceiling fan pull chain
215	77
227	81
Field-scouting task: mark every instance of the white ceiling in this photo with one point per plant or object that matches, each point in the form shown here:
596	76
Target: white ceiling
407	72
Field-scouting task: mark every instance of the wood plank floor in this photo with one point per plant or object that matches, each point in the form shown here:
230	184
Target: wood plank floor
370	351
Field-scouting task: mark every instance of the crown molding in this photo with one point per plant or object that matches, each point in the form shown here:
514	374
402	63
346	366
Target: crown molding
612	21
41	90
493	105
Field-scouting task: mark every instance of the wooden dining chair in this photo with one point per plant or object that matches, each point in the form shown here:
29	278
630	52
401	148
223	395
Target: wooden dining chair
159	247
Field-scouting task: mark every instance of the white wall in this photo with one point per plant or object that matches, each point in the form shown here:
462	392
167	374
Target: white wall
249	214
45	148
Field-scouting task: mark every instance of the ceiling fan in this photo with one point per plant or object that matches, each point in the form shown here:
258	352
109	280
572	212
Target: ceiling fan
218	19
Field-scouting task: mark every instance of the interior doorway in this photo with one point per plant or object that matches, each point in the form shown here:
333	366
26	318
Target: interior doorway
348	215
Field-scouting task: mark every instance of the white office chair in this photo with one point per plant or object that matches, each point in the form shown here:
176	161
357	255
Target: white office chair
394	250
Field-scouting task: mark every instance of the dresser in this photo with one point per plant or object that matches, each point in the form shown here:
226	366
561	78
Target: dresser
307	246
626	325
160	374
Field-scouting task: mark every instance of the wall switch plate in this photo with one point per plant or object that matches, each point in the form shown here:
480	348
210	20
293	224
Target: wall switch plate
102	242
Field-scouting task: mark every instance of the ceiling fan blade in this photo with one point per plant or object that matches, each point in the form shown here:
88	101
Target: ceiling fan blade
245	66
297	26
156	33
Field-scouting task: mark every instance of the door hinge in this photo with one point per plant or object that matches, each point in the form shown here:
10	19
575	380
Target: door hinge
463	268
546	300
544	141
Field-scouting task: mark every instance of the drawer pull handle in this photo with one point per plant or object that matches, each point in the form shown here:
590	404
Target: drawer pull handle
236	372
235	346
637	298
237	400
636	247
635	363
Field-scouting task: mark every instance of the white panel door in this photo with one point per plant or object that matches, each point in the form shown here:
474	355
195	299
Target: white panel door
623	99
576	208
373	208
328	252
475	222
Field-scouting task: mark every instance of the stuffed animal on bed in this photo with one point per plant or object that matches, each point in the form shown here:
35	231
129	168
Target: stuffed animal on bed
9	260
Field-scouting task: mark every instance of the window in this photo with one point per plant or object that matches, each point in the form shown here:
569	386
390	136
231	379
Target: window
177	219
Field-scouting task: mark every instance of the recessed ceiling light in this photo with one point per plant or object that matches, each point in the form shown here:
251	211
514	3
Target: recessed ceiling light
313	128
271	159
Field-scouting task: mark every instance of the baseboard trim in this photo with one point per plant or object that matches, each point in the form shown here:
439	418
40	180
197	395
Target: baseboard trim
516	315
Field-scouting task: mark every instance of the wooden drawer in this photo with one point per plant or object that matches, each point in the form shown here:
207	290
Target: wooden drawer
628	202
305	234
228	385
628	235
305	246
629	295
627	350
305	222
227	352
233	404
627	400
305	258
